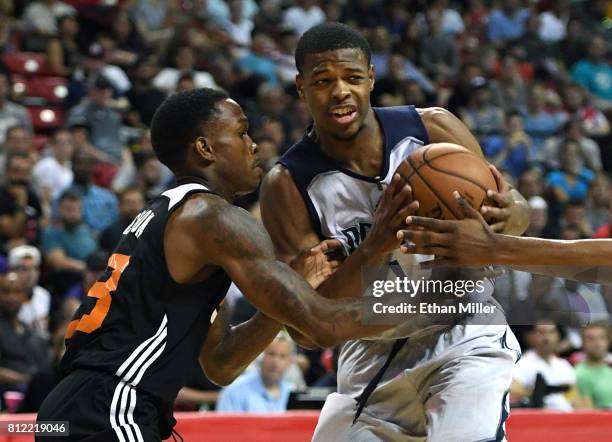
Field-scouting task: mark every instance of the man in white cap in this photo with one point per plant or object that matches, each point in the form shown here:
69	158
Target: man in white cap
25	260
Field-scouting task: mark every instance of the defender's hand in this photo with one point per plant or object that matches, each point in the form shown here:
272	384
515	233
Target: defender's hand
469	242
395	205
499	206
316	265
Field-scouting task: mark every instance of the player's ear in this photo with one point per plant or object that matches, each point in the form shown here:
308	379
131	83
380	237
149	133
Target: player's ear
205	149
371	77
299	85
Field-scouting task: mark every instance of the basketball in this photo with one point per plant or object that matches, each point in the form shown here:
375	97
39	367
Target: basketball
436	170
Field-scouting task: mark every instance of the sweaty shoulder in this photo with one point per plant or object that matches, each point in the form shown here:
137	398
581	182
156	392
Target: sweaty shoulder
444	127
285	215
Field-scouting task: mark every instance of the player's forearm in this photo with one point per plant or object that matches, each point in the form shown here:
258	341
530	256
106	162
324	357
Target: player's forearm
290	300
348	280
243	343
588	260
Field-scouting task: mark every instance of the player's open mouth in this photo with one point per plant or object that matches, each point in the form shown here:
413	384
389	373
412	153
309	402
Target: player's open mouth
344	114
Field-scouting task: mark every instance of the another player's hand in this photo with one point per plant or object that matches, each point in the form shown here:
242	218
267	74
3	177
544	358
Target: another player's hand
469	242
316	264
395	205
498	207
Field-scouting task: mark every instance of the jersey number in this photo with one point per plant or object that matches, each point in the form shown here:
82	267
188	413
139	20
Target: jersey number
91	321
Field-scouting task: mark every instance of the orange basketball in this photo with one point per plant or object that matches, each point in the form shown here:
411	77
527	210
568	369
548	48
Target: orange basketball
436	170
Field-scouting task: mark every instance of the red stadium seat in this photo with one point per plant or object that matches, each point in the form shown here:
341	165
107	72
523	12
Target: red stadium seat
46	117
52	90
26	63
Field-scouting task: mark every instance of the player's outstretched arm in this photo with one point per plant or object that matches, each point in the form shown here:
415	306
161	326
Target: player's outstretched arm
509	212
471	242
215	233
228	350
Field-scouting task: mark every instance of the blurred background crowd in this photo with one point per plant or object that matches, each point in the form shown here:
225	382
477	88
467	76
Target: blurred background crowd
80	82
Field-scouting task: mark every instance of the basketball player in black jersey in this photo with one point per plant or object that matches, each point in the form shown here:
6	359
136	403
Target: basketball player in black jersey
147	320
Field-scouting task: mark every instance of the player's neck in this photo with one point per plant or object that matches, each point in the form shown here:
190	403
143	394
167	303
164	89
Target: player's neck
363	153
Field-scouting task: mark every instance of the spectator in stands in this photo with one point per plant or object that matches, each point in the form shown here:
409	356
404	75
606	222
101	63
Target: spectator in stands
570	182
531	183
184	62
594	376
303	15
185	83
463	89
144	97
590	155
11	114
594	73
53	174
258	61
598	202
594	122
512	153
22	351
572	48
439	53
67	244
103	121
553	23
539	122
538	216
238	27
100	206
40	21
131	202
555	373
18	141
21	212
128	45
262	390
480	115
25	261
530	45
43	381
508	22
605	231
380	43
63	53
509	91
574	216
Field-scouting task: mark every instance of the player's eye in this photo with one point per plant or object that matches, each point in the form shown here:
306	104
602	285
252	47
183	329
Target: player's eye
321	82
355	78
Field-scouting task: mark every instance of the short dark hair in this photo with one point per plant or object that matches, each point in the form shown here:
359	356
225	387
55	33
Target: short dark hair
179	120
328	37
70	195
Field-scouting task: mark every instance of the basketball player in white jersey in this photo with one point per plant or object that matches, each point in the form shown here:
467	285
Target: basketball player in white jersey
446	383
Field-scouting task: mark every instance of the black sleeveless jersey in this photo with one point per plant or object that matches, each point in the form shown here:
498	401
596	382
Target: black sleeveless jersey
136	322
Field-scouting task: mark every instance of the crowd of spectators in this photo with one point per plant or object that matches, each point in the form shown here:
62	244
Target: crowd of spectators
531	78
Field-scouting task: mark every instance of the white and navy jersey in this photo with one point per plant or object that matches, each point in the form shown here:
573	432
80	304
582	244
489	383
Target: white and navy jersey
136	322
341	202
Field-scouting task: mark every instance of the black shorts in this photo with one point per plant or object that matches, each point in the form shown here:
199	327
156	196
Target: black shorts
100	408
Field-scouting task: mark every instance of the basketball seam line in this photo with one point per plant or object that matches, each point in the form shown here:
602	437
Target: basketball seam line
436	194
447	172
426	161
414	169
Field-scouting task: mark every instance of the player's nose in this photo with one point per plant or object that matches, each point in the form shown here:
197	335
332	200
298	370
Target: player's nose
340	91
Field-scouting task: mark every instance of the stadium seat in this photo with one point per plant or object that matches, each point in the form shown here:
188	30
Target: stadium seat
26	63
46	117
